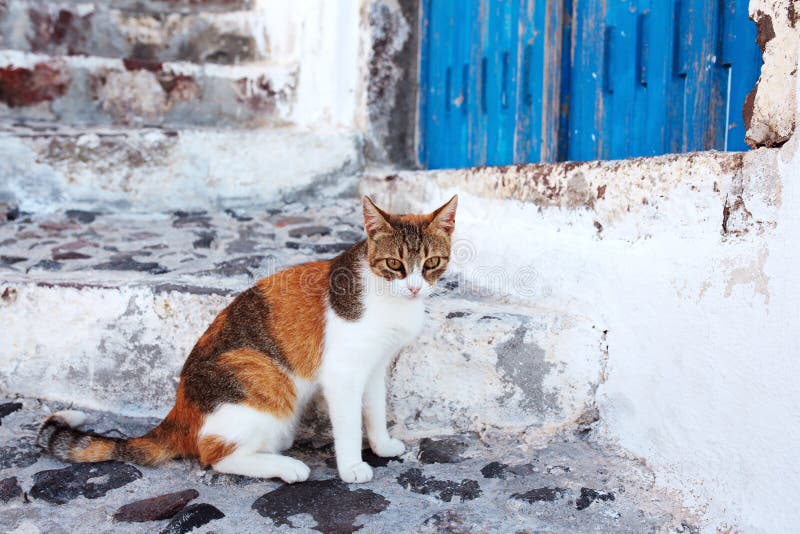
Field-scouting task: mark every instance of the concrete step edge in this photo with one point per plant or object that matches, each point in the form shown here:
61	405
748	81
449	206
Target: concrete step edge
161	169
252	70
478	366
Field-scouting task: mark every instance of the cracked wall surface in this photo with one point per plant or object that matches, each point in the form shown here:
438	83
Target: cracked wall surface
769	109
390	37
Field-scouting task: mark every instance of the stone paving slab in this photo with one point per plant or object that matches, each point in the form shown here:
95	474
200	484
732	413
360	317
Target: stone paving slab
441	484
225	250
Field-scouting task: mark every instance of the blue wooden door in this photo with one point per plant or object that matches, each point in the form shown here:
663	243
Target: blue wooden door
512	81
483	98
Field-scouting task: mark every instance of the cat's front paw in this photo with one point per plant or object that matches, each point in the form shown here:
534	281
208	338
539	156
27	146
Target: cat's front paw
292	471
389	448
358	473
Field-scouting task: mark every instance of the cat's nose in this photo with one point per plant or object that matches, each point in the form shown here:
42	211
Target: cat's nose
414	289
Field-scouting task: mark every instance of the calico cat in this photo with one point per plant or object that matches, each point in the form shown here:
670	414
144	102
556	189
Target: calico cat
332	325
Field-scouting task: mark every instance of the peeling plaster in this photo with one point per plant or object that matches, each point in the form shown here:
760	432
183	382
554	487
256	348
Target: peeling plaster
751	274
769	110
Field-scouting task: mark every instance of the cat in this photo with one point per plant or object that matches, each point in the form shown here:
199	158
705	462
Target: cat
331	325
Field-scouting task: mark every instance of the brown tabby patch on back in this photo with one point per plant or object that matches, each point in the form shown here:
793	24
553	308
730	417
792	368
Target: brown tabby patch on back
266	386
239	326
344	282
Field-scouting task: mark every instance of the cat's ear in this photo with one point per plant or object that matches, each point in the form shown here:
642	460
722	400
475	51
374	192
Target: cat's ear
444	218
374	218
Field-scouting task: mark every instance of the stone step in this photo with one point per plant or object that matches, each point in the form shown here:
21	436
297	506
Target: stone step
171	6
441	484
105	30
157	169
78	90
102	309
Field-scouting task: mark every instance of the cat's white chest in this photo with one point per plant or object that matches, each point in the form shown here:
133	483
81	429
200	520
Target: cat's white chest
385	326
398	320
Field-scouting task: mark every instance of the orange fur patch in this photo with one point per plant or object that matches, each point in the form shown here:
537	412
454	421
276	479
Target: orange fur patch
212	449
175	436
296	301
267	387
150	449
182	425
98	450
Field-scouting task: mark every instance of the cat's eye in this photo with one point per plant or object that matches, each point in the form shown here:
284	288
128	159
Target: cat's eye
432	262
394	264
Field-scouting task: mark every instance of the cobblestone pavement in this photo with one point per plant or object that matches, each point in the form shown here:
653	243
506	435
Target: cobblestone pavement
223	249
441	484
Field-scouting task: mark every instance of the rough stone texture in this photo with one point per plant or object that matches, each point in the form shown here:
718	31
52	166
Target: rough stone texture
403	497
441	451
155	169
314	498
545	494
769	110
492	380
589	495
604	194
28	86
9	489
216	63
307	231
188	63
494	470
8	408
100	29
78	90
155	508
19	453
445	490
192	517
145	270
391	84
59	486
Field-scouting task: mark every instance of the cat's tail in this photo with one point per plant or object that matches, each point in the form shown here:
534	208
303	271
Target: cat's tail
58	435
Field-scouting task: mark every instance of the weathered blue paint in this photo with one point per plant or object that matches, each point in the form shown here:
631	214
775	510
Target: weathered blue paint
509	81
742	60
483	88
